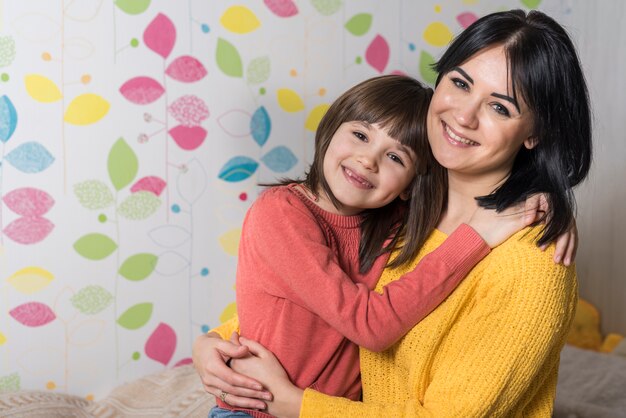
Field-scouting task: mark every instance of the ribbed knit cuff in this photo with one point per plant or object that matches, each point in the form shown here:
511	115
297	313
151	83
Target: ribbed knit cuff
463	249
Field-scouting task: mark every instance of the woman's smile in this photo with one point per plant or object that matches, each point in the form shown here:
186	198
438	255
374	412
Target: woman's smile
456	139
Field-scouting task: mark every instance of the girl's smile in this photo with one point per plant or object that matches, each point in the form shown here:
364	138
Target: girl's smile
365	168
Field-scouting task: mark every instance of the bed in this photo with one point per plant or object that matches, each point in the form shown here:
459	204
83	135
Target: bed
591	385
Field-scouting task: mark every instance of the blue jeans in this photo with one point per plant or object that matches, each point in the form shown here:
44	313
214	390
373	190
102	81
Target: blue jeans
217	412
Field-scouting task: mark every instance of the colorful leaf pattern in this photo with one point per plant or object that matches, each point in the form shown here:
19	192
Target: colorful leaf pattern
169	158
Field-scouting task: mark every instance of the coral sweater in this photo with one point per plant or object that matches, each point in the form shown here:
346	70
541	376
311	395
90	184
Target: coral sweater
490	350
300	294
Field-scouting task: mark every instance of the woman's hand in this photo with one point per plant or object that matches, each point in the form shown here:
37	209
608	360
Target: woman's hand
263	366
210	354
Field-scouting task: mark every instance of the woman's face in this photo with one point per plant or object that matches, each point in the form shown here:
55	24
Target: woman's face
475	127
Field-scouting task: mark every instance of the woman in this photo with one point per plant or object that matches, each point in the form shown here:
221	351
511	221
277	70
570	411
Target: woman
509	117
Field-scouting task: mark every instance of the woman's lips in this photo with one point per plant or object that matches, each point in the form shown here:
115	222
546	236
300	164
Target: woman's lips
456	139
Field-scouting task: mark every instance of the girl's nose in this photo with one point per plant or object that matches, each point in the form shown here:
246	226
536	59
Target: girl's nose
368	160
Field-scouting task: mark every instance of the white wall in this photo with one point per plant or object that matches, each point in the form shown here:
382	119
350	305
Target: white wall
598	29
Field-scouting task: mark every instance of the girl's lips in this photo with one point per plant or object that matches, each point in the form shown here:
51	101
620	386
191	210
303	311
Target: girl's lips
356	180
456	139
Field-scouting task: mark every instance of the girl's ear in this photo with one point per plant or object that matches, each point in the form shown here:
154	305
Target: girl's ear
405	195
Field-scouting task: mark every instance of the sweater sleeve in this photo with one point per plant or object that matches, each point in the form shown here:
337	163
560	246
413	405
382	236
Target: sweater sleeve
499	350
226	329
291	255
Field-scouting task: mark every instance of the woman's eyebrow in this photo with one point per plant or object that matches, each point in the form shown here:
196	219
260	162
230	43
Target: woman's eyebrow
464	74
508	99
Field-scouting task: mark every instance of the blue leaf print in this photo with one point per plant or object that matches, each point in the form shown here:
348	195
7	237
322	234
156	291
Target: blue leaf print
280	159
238	169
8	118
30	157
260	126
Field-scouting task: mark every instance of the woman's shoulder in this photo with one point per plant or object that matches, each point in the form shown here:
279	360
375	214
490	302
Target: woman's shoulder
521	260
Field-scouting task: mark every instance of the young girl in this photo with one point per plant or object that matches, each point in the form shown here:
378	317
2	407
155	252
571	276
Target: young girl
311	251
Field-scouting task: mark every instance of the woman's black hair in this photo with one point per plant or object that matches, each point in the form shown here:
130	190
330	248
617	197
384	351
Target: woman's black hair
399	104
545	71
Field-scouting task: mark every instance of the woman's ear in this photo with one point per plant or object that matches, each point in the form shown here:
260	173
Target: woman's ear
531	142
405	195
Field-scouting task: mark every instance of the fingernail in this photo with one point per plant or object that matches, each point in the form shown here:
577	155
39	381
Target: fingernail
567	261
257	387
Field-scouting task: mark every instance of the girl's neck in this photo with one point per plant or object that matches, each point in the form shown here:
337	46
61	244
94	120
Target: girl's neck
322	200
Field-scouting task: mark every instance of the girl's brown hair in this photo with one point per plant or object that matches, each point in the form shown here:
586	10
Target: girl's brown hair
399	104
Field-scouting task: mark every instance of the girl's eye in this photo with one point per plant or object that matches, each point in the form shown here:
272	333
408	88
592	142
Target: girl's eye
360	136
395	159
502	110
460	83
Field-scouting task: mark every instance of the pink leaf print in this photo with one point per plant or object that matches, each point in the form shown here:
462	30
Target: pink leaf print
160	35
282	8
33	314
150	184
186	69
188	137
466	19
28	201
142	90
29	230
377	54
161	344
189	110
184	361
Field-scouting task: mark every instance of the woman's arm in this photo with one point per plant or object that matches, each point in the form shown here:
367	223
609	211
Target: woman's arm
500	352
505	349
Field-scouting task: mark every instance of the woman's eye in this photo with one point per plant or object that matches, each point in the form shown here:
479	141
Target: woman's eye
460	83
501	109
360	136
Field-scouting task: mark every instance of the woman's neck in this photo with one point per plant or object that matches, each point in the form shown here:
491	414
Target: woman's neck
462	193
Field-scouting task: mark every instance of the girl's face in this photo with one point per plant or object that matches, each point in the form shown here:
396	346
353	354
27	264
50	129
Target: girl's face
475	127
365	168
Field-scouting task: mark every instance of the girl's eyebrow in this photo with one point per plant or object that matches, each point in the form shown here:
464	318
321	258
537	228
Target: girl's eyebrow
363	123
494	94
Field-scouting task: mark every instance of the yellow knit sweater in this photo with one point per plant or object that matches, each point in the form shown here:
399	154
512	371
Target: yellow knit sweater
490	350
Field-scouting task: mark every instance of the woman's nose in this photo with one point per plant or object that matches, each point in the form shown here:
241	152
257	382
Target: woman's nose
467	114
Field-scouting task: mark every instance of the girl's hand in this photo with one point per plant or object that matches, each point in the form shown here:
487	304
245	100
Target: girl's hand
263	366
495	228
567	243
210	354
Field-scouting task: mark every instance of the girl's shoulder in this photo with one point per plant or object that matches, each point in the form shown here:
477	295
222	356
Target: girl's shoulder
278	196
